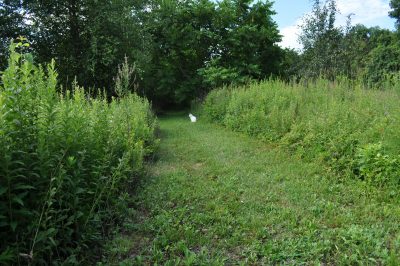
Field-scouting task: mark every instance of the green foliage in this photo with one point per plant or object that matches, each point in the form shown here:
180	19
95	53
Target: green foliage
182	49
395	12
325	121
246	45
11	26
125	80
182	34
323	42
179	48
372	56
357	52
66	164
376	167
86	38
383	63
215	76
216	104
198	45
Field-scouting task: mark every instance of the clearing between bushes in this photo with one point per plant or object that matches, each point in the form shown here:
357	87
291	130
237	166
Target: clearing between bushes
217	197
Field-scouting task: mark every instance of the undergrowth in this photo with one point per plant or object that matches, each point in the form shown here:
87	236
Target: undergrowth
67	164
349	129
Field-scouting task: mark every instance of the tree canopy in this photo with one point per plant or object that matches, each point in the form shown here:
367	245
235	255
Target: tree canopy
182	49
179	48
395	12
354	51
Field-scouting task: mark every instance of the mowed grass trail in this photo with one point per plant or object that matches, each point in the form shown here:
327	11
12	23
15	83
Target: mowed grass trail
214	197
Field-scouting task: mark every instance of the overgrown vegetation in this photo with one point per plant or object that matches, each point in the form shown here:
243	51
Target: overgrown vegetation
349	129
218	197
67	164
70	156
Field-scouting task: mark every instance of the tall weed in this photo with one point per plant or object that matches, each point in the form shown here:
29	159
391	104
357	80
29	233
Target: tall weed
334	123
66	164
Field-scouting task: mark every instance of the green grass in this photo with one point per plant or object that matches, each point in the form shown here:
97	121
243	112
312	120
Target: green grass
216	197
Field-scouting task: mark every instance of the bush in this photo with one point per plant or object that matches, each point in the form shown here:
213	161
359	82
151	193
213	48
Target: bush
215	105
66	164
376	167
329	122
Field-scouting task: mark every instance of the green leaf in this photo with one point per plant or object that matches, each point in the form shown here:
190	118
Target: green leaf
53	242
13	225
18	200
3	190
24	187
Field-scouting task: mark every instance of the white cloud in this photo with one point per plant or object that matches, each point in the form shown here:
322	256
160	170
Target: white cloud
290	36
364	11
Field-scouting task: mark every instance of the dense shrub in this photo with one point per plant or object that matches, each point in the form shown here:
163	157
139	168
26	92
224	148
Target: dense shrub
336	123
216	104
66	164
376	167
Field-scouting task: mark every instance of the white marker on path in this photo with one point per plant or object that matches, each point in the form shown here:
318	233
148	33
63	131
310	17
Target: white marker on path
192	118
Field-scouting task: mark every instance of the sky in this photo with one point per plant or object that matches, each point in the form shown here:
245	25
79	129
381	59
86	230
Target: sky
368	12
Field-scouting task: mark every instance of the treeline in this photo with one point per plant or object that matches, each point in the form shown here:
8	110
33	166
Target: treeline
182	49
357	52
179	48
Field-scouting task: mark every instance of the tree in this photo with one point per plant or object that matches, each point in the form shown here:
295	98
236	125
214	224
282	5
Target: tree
180	49
395	12
114	31
246	46
362	41
182	34
58	31
383	60
322	42
12	25
87	38
290	65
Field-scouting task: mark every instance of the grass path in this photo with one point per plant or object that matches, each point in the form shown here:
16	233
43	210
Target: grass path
215	197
